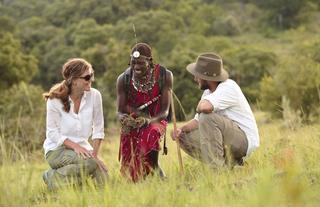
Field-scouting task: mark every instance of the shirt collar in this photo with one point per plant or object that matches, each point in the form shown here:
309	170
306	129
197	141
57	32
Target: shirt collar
83	97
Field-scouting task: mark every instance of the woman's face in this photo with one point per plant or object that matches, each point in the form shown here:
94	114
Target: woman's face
83	83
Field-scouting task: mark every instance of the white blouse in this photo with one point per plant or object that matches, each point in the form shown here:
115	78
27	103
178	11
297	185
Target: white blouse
76	127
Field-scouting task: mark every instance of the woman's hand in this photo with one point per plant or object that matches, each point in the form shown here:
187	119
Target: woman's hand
83	152
101	166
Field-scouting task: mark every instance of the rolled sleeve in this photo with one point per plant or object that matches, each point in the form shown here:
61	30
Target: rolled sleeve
196	117
222	98
98	120
53	131
211	99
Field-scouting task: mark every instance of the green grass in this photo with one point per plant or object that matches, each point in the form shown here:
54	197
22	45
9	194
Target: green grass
284	171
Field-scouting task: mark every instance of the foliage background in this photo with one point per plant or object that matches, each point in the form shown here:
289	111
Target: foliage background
271	48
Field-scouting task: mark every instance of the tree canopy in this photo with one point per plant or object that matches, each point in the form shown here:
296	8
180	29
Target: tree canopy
261	43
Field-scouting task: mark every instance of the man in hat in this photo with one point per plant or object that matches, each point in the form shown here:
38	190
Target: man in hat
224	129
143	99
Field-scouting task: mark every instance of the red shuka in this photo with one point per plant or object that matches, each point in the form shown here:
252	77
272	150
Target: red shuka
135	146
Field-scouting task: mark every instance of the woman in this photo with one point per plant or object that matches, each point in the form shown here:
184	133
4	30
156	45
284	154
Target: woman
74	113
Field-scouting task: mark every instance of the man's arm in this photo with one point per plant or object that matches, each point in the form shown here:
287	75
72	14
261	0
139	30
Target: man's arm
122	107
165	98
188	127
204	106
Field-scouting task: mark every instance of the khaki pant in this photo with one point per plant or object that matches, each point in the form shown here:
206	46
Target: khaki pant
218	141
66	165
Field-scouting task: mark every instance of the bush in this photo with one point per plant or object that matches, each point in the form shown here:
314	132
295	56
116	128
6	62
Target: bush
22	117
15	65
270	97
248	65
298	80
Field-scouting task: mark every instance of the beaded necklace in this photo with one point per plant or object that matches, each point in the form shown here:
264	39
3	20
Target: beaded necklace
144	86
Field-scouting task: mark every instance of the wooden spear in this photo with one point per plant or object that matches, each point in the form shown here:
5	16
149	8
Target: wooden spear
175	129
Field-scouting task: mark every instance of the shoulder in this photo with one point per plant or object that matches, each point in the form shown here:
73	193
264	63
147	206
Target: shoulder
94	93
229	88
206	93
169	73
122	76
54	103
167	78
165	71
228	84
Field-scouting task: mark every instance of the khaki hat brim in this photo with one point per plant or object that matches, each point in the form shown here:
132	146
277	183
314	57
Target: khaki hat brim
222	77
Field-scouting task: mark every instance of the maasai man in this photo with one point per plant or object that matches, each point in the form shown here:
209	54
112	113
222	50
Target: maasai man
143	99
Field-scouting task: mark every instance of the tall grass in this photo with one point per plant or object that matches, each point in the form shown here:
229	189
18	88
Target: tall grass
284	171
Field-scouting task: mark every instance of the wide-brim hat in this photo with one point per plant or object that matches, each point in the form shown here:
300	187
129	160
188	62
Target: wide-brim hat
208	66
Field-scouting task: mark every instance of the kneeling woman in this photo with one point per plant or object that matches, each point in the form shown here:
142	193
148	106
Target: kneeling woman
74	113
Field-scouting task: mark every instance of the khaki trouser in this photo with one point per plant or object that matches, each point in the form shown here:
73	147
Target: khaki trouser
218	141
66	165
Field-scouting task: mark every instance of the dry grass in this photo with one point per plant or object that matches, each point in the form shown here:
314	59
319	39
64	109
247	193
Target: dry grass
284	171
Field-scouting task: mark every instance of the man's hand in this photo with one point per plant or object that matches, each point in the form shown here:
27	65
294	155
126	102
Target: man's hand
142	121
176	134
127	121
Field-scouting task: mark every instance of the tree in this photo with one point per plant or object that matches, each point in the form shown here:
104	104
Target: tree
270	96
158	28
97	56
299	80
282	13
7	24
248	65
87	33
15	66
31	35
22	110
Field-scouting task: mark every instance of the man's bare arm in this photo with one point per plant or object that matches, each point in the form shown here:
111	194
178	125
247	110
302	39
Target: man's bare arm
165	98
122	107
204	106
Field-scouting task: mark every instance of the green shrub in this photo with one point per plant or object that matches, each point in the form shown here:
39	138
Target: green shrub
270	96
15	65
297	79
22	117
248	65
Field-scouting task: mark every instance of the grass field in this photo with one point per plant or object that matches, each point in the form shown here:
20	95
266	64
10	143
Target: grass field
284	171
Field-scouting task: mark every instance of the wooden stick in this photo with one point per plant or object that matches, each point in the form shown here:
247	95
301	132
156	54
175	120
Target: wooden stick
175	129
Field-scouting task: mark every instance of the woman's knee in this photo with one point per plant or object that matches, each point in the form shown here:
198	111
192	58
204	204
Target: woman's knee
90	165
61	158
